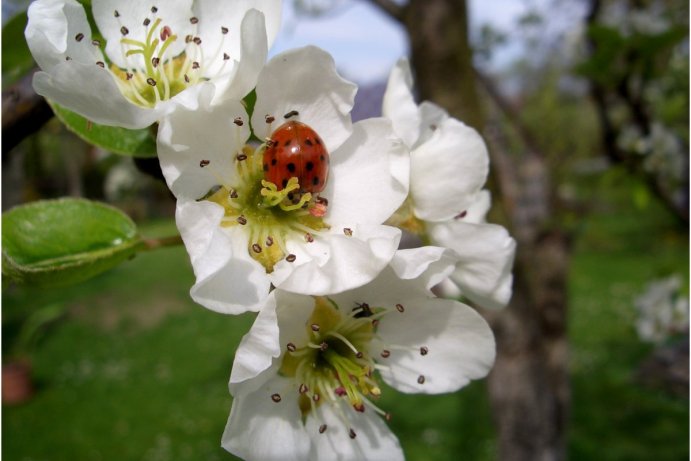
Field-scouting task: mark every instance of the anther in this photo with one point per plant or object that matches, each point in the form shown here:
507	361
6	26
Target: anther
225	56
154	9
303	388
195	65
241	220
348	231
316	397
187	79
67	58
375	323
359	354
197	41
352	434
424	350
314	327
116	14
323	346
241	157
309	238
385	353
124	30
292	113
291	347
166	33
79	37
203	163
155	61
101	64
146	22
151	81
421	379
359	407
400	308
194	20
322	201
433	127
95	42
269	118
271	142
129	75
256	248
322	428
224	30
238	121
461	215
188	38
387	416
276	397
340	391
233	193
269	241
291	258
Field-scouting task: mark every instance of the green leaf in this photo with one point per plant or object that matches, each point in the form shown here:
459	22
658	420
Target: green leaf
16	57
65	241
134	143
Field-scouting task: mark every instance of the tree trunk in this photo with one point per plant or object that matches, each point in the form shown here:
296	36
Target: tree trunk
528	387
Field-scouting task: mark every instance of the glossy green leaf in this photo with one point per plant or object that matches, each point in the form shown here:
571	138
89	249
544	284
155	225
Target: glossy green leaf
16	57
134	143
65	241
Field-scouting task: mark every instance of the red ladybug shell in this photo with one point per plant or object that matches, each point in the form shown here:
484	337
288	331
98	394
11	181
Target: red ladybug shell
296	150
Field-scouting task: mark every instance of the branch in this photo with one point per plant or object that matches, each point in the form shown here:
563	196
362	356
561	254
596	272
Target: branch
391	8
23	113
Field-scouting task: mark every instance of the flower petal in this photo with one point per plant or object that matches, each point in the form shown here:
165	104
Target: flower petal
58	29
458	346
228	279
220	29
335	262
447	171
373	439
399	105
90	91
305	80
369	175
486	253
432	116
430	265
131	15
188	136
262	429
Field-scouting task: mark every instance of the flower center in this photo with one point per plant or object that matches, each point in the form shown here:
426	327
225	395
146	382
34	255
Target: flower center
152	74
335	364
270	216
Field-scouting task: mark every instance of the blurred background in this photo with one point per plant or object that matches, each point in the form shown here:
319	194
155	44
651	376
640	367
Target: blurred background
584	105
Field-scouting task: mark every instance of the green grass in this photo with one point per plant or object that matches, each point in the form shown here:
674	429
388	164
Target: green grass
136	371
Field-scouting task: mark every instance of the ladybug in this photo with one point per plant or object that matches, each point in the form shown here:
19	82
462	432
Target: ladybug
296	150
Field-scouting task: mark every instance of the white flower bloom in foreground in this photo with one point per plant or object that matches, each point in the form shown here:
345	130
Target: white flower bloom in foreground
319	228
662	310
447	206
306	377
157	53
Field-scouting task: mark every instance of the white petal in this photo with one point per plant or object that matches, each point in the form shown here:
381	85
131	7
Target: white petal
259	346
477	211
90	91
186	137
214	15
432	116
430	265
245	71
228	279
373	440
52	32
459	346
260	429
399	105
335	262
175	14
369	173
486	253
305	80
447	171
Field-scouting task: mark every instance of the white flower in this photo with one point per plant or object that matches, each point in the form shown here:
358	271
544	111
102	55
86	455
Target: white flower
304	384
157	54
247	234
662	310
447	206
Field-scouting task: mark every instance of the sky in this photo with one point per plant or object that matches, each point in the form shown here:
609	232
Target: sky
366	44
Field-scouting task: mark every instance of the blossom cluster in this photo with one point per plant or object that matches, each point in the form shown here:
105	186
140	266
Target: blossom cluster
289	209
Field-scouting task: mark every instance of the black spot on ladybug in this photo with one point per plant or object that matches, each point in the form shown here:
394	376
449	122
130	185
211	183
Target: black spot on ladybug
284	183
321	157
309	166
318	141
315	181
273	161
309	142
266	167
291	168
287	143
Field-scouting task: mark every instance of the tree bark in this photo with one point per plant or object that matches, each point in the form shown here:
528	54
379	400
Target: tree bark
529	386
